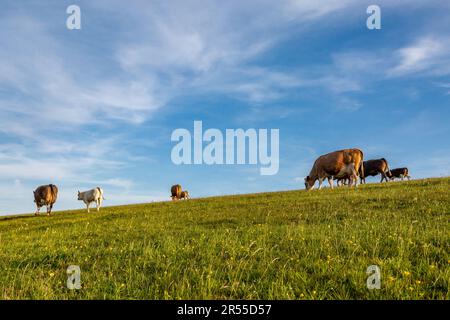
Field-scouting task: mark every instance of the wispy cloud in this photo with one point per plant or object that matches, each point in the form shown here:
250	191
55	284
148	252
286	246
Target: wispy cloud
42	87
430	55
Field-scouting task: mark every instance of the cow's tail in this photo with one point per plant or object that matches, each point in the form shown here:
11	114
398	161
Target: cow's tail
53	190
387	167
101	193
407	174
179	191
361	167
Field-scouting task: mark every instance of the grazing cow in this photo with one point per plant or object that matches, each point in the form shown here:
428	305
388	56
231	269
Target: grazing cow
45	196
336	165
93	195
184	195
399	173
176	192
374	167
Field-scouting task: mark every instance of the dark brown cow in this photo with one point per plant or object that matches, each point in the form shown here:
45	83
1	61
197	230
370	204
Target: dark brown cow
399	173
335	165
374	167
45	196
176	192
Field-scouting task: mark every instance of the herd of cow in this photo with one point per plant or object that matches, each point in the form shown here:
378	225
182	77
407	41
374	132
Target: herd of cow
345	166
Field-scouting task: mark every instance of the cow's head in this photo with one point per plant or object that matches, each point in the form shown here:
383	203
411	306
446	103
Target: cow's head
79	196
309	183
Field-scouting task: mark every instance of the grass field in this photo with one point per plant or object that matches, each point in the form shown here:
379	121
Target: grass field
284	245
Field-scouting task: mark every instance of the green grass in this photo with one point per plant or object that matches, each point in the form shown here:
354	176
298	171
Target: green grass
284	245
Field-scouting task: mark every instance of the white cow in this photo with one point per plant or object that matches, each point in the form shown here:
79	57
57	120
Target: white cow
94	195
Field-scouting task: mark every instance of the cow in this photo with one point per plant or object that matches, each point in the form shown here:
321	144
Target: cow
336	165
93	195
184	195
176	192
399	173
374	167
45	196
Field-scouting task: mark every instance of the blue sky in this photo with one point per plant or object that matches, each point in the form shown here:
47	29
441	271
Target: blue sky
97	106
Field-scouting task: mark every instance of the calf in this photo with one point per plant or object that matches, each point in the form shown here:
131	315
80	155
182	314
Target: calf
344	181
93	195
184	195
399	173
45	196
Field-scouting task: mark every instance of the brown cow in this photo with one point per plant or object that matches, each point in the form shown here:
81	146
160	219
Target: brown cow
335	165
176	192
374	167
399	173
184	195
45	196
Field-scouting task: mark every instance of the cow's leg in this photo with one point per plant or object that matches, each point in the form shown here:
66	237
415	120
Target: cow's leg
330	182
354	178
350	180
99	202
37	211
87	205
320	183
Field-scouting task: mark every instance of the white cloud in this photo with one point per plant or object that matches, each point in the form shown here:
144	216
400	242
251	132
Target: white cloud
307	10
45	88
195	46
116	182
427	54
